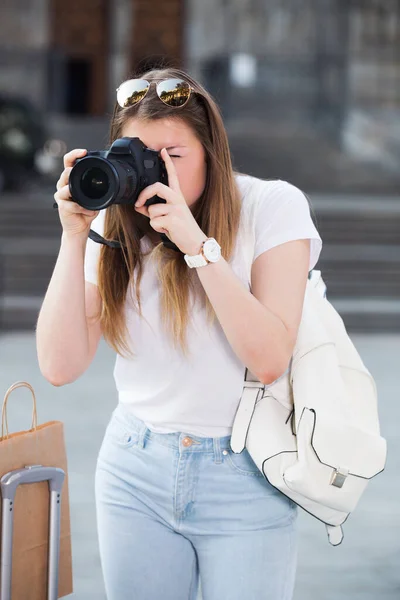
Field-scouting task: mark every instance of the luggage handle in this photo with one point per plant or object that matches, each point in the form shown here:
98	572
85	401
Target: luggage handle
4	409
9	484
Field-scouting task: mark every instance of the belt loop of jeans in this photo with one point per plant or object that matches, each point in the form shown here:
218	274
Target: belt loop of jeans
141	435
217	450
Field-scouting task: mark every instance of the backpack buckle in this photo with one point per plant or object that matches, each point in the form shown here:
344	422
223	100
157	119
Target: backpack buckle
339	477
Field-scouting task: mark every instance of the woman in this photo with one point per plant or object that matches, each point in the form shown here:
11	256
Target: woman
173	501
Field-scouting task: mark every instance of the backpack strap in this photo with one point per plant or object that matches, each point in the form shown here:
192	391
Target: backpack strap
316	281
335	534
252	391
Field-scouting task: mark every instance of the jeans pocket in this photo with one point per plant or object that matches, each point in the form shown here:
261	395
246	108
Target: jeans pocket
121	433
242	463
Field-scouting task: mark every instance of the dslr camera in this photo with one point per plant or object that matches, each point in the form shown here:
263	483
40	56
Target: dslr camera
117	175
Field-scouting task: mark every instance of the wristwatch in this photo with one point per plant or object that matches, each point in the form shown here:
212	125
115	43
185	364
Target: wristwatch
210	252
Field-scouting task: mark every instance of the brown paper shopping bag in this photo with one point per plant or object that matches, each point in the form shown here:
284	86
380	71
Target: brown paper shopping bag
41	445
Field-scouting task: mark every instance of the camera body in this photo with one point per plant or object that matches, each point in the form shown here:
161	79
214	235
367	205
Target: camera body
116	176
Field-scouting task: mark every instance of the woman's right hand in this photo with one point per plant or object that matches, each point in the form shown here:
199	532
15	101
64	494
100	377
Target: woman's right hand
75	219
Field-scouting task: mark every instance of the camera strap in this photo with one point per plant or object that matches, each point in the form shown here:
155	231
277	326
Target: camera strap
96	237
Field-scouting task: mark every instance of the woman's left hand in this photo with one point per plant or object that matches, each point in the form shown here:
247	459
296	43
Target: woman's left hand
174	218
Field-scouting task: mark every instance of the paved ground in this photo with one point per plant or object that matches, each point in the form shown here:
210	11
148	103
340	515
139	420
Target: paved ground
364	567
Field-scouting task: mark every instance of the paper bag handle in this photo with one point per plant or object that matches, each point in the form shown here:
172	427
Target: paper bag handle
4	409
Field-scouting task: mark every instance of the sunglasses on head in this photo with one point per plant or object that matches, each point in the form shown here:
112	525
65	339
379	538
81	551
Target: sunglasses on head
173	92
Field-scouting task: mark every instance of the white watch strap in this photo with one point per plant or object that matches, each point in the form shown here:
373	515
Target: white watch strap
196	261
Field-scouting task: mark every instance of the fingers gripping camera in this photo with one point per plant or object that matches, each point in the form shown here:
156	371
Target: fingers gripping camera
117	176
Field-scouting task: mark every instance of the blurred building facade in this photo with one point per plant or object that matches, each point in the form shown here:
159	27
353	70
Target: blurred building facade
332	64
68	57
328	70
309	91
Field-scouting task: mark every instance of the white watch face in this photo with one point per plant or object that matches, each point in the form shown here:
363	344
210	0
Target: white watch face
212	250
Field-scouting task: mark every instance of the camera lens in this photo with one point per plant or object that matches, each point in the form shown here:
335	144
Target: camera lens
95	183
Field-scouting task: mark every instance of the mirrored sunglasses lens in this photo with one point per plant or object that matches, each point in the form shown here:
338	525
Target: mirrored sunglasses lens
174	92
131	92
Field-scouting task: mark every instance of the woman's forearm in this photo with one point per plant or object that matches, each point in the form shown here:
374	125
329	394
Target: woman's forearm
62	340
257	336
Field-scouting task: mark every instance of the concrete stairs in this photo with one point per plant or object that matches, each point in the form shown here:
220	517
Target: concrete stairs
360	260
30	234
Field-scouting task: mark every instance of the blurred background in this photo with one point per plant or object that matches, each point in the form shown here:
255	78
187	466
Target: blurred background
310	93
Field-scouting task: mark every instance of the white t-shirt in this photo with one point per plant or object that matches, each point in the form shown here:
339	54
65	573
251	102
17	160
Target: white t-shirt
199	395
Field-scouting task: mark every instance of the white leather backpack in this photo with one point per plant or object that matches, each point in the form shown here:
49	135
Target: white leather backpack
314	432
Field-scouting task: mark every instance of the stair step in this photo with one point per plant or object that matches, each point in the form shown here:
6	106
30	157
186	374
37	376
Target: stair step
371	316
360	260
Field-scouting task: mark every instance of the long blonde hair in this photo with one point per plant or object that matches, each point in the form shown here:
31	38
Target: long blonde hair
217	213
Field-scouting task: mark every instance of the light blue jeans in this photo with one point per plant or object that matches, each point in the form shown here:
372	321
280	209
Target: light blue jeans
172	507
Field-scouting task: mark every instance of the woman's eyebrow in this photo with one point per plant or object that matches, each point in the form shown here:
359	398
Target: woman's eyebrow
170	147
